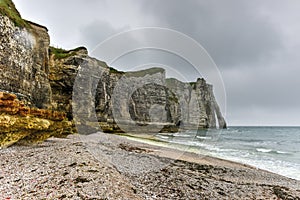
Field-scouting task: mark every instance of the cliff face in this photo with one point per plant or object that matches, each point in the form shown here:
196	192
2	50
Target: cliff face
37	86
198	105
119	99
24	62
143	101
26	113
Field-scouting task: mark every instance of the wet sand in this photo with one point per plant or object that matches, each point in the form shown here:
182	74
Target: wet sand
105	166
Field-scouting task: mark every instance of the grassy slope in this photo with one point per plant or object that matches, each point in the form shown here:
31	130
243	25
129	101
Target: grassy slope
60	53
7	8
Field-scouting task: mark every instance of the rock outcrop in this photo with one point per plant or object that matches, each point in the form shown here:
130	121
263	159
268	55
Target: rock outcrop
198	105
24	59
143	101
22	124
45	88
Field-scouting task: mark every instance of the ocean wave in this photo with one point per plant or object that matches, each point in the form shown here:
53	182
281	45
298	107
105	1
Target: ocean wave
162	136
284	168
184	135
246	140
282	152
264	150
204	137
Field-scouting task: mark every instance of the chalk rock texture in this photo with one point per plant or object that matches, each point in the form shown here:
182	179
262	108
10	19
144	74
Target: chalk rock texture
24	60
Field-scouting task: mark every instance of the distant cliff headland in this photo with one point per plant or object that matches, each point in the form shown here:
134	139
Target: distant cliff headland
36	89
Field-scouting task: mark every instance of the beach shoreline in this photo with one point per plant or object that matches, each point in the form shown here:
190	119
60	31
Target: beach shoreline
191	154
106	166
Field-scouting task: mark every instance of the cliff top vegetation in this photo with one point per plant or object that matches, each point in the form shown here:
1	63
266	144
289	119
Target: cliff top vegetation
7	8
145	72
60	53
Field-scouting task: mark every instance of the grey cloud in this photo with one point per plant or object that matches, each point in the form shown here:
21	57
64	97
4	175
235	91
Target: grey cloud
233	32
96	32
249	45
63	18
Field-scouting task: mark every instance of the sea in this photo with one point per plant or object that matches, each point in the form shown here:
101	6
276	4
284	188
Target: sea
276	149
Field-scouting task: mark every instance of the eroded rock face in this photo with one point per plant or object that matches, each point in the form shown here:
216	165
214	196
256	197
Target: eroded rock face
199	108
61	77
22	124
129	102
24	62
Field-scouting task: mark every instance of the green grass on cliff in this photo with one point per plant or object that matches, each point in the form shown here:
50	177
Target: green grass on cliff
145	72
7	8
114	71
60	53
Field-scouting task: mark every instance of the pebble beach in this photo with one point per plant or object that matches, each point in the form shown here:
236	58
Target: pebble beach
106	166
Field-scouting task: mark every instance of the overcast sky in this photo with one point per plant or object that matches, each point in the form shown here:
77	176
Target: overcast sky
255	44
